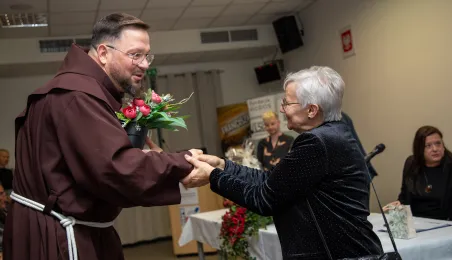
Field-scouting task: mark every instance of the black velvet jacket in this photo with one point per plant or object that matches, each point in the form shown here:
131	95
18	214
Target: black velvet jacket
325	166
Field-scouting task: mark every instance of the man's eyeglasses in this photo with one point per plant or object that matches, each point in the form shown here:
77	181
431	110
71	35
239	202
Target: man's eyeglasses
284	103
137	58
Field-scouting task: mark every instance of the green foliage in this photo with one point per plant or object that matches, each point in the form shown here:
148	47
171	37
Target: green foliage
163	112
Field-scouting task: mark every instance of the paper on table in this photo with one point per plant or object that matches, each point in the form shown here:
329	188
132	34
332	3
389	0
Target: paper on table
422	225
188	196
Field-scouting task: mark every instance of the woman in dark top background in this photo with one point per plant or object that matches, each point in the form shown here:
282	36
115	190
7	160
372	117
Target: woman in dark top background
276	145
427	177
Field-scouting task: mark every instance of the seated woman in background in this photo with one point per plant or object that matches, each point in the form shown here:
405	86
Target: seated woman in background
273	148
427	177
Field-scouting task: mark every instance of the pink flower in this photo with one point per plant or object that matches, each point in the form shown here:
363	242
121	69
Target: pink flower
129	112
138	102
145	110
156	98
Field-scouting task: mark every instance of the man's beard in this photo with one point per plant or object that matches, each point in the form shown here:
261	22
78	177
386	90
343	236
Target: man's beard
126	84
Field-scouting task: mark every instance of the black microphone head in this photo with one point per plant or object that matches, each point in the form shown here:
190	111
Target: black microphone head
380	148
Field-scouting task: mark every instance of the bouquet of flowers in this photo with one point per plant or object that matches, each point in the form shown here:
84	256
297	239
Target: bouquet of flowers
137	116
401	222
240	224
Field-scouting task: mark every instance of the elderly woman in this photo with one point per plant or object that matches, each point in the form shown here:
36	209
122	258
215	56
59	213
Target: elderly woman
427	177
324	169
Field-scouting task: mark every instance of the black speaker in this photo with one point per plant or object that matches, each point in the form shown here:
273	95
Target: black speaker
267	73
288	34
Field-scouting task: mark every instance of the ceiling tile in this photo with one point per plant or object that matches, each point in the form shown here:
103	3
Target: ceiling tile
251	1
210	2
305	4
161	14
167	3
202	12
35	32
73	6
63	30
281	7
102	14
122	5
36	6
239	9
224	21
262	19
199	23
72	18
161	25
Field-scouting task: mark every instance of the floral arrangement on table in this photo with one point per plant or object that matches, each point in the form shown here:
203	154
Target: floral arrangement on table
153	111
240	224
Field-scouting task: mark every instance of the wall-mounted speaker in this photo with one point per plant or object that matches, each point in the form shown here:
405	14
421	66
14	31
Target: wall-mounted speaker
288	33
269	72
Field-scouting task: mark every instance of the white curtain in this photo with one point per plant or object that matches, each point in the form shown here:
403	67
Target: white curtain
147	223
143	224
202	124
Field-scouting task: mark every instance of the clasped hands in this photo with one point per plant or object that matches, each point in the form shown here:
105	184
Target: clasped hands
203	165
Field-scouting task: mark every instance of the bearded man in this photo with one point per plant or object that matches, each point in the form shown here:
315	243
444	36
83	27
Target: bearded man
75	161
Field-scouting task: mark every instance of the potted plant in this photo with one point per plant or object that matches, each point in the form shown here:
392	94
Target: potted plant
153	111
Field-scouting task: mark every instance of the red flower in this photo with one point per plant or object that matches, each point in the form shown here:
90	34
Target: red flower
129	112
138	102
145	110
156	98
241	211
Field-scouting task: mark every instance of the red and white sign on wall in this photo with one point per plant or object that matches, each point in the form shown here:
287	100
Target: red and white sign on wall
348	45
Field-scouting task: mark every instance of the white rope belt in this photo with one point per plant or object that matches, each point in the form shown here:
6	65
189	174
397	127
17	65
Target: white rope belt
67	222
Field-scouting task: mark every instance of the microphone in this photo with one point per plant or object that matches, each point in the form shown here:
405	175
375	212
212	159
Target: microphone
377	150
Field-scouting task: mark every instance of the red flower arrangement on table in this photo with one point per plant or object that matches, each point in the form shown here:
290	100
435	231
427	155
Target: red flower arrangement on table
240	224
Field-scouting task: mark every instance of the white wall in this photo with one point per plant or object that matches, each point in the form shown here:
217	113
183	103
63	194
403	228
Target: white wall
165	42
399	79
238	84
238	80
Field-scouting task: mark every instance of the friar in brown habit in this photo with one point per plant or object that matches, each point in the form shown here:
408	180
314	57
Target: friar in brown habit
74	158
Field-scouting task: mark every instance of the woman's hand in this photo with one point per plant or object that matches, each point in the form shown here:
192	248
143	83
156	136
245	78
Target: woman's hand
213	160
392	204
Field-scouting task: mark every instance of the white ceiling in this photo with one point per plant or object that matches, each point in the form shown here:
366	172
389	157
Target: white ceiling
76	17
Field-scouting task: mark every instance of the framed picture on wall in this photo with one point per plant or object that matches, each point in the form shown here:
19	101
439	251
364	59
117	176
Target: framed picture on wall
347	42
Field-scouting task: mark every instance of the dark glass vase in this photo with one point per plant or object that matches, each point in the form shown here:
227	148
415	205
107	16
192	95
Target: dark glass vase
137	134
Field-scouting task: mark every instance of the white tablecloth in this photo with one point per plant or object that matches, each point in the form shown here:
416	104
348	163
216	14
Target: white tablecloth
428	245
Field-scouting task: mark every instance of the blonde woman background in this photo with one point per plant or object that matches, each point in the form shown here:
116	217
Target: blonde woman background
276	145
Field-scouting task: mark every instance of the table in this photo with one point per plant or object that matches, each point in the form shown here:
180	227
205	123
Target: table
433	244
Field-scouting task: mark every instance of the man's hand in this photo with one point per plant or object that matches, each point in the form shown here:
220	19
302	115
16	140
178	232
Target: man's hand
200	174
213	160
153	147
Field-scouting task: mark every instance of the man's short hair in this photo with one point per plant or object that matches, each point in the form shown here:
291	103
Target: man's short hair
110	27
4	150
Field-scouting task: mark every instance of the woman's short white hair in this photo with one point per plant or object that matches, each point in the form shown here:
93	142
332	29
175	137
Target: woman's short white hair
322	86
